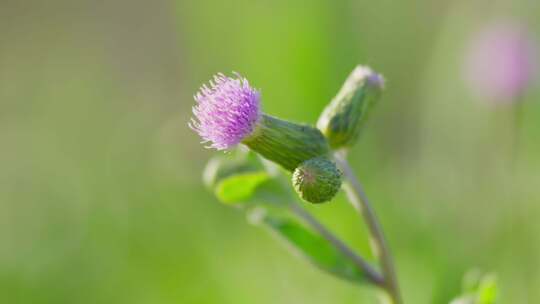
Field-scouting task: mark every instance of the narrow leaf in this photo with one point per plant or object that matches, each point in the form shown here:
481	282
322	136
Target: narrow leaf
313	247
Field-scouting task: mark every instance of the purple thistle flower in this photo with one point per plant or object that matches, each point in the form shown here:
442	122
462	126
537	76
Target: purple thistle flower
499	63
227	112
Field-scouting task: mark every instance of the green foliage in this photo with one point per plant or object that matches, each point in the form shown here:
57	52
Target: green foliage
240	187
309	245
478	289
487	291
238	161
240	179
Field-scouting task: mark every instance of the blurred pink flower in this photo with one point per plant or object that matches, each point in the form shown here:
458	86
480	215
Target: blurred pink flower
500	62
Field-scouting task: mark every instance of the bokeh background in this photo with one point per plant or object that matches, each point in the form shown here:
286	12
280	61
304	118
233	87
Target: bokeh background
101	199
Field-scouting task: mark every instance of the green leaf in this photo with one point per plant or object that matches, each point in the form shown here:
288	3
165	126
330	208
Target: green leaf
478	289
240	188
487	291
223	166
311	246
241	178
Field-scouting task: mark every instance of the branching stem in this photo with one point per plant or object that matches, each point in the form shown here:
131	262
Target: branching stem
374	276
360	202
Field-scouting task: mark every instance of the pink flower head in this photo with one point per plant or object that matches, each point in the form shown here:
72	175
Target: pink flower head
226	112
499	63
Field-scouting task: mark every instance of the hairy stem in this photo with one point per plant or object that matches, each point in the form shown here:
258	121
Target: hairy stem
372	275
360	202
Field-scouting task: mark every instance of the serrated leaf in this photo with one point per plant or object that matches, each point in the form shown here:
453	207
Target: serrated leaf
313	247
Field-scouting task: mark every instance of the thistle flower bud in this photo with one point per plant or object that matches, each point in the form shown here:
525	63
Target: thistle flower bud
317	180
343	118
285	143
228	113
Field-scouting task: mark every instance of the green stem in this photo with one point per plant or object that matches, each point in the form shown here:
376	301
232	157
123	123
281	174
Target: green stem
360	202
517	117
372	275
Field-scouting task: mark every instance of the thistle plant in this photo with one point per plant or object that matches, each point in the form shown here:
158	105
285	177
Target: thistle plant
313	162
228	113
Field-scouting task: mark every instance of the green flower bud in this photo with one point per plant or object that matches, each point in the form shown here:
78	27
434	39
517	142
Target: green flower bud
285	143
317	180
343	118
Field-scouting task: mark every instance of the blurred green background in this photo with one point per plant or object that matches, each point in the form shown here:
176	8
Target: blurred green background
101	199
